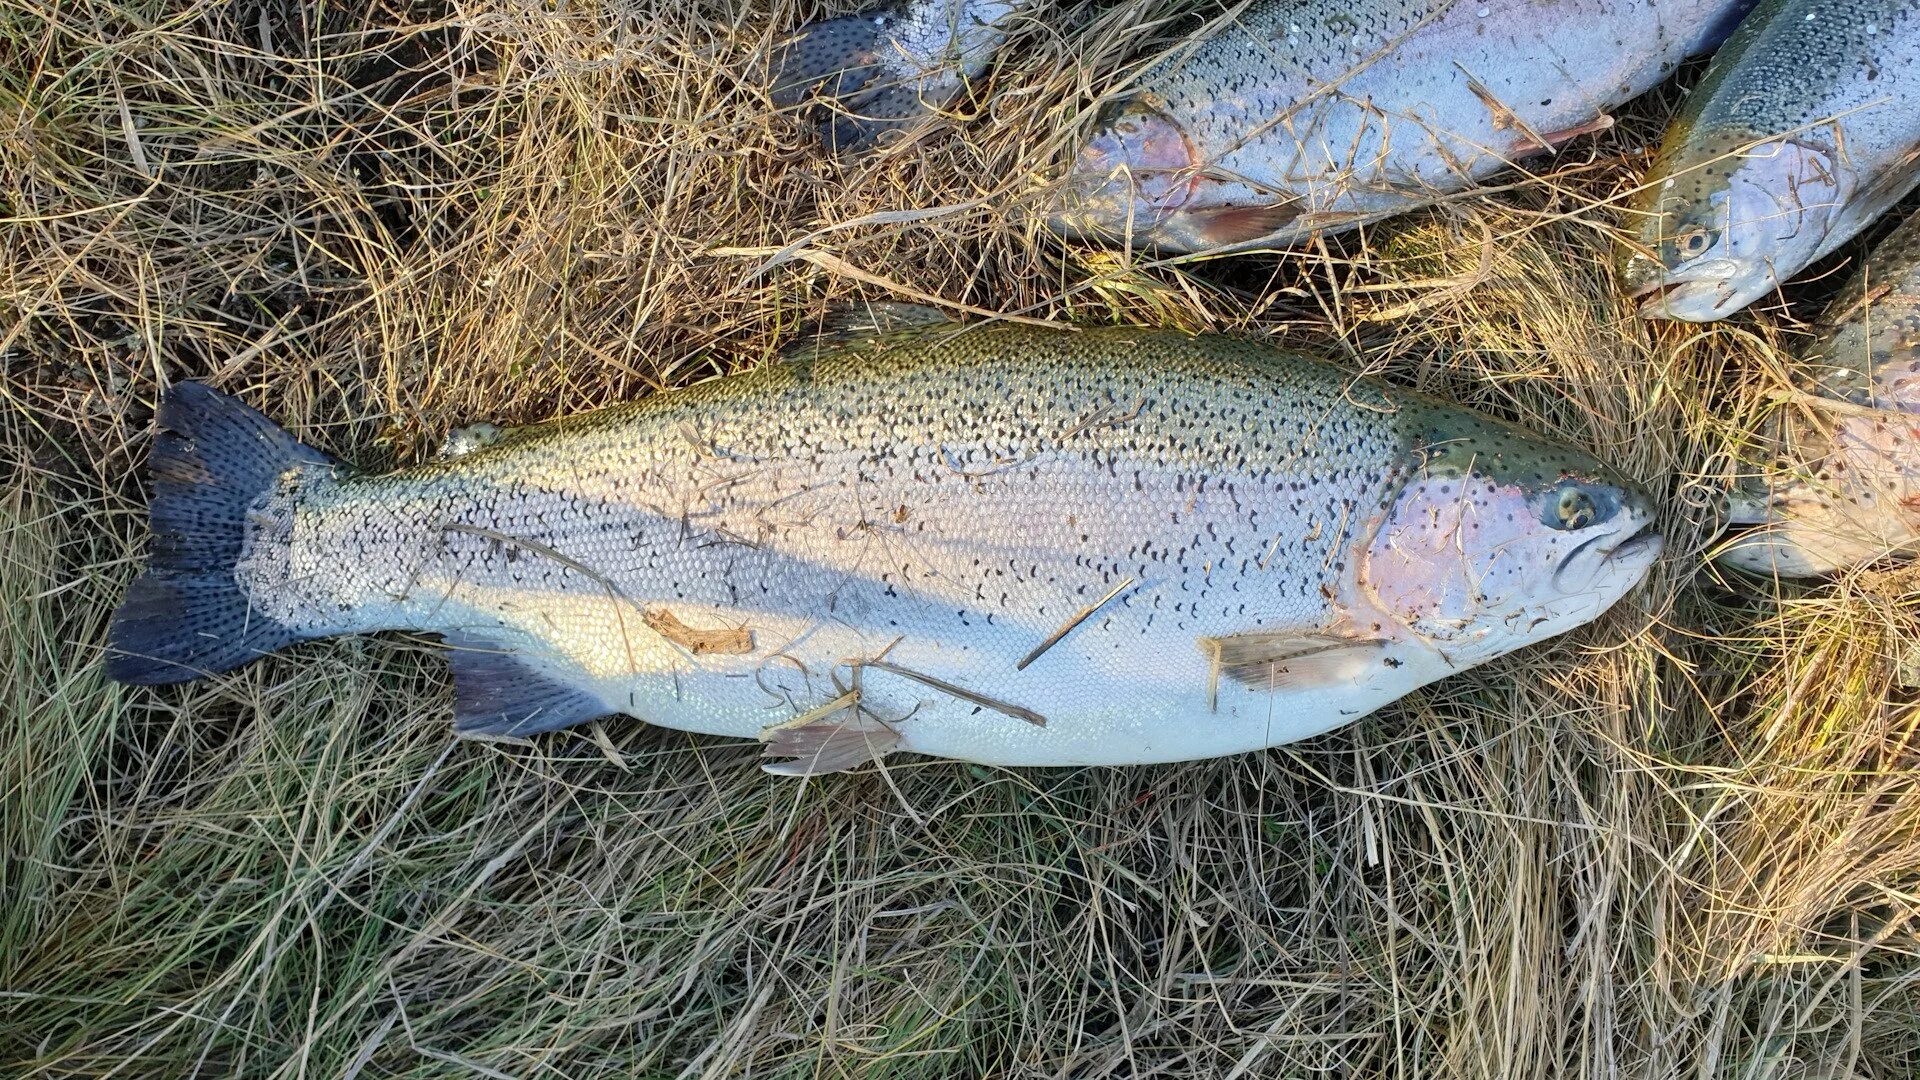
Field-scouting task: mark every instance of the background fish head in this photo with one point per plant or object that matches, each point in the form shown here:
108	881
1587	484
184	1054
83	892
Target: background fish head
1130	180
1500	539
1721	227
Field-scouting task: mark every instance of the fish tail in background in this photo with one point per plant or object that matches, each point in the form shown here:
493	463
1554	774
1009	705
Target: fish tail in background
840	60
186	617
836	57
1719	26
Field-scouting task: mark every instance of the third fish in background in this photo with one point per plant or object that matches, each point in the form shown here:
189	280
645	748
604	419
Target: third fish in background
1847	491
1293	118
1804	129
1315	116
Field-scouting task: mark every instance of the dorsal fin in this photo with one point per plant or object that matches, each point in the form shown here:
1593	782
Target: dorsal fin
866	321
882	317
462	441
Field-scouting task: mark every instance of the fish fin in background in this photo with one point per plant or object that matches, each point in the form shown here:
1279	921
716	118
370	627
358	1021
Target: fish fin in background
498	694
860	323
833	738
877	70
185	617
1230	226
881	317
1554	140
1291	661
863	120
836	57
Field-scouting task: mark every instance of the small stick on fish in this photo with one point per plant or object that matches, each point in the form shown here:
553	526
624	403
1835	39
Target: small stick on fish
736	641
961	692
848	700
1068	627
1271	548
1101	418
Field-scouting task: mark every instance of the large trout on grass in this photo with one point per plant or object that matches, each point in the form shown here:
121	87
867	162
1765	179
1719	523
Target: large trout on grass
1001	544
1313	116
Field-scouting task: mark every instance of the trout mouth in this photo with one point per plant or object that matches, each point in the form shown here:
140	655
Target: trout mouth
1641	541
1689	301
1652	291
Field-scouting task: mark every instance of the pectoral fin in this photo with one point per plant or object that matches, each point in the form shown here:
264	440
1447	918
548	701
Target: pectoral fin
1554	140
1232	226
1291	661
498	694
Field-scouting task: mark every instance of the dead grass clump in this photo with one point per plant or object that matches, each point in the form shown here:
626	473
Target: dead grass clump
1678	843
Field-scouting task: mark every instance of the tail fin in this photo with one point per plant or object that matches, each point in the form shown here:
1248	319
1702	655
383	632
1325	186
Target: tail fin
186	616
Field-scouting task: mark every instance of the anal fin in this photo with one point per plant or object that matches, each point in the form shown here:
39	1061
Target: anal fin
498	694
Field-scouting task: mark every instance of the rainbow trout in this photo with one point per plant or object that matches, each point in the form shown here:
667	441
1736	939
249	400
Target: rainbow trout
1002	545
1804	129
1847	491
1314	116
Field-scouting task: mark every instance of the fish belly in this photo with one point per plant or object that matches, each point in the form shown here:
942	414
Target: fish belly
1103	696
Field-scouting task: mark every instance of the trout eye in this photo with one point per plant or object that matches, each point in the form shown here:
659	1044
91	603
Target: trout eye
1694	241
1573	506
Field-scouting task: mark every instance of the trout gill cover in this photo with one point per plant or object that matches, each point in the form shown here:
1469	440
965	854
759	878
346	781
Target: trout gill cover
1005	545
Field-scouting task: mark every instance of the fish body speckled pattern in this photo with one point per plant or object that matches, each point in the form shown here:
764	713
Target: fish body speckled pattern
1848	493
1006	544
875	71
1804	129
1313	116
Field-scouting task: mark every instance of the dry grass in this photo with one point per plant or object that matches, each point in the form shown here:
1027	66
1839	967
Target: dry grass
1684	842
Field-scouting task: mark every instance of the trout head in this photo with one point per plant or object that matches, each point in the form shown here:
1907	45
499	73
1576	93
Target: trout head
1720	229
1499	539
1139	180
